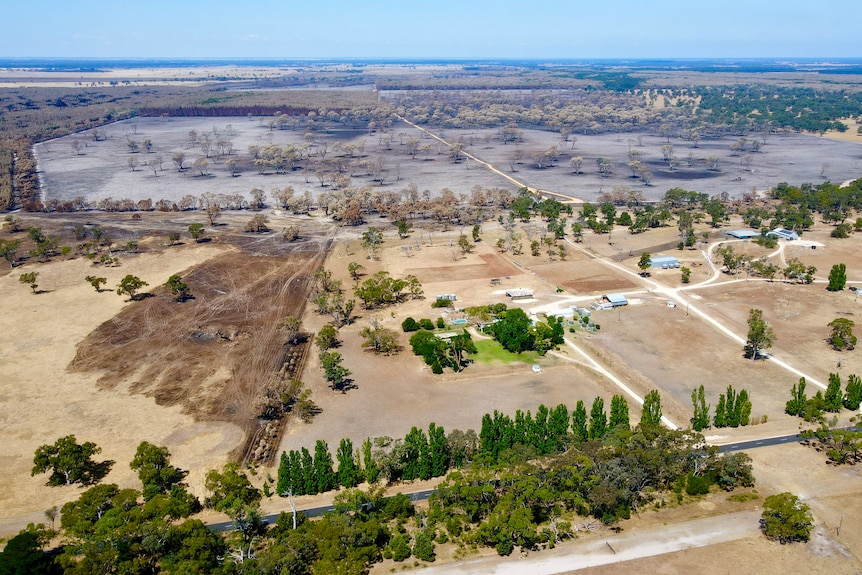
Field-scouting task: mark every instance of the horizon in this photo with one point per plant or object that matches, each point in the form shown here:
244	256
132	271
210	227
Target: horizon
385	29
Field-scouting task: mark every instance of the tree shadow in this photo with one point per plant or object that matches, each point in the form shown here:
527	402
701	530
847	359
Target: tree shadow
97	471
345	386
38	291
141	296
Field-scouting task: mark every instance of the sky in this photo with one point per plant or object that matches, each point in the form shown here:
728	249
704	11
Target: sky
422	29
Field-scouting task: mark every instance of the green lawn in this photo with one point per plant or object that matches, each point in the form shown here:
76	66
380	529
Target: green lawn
490	351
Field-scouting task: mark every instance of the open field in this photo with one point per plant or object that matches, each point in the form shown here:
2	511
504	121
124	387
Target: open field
100	169
41	400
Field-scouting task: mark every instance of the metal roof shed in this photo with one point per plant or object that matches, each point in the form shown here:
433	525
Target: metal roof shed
664	262
743	234
617	299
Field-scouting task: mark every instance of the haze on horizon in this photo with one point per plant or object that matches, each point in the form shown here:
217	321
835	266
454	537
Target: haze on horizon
504	29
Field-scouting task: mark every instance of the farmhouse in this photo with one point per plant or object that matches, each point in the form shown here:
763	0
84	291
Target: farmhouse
783	234
664	262
520	293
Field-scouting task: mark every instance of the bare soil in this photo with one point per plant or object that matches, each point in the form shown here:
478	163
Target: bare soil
212	355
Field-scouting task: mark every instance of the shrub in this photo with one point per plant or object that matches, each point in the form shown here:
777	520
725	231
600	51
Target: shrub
426	323
442	303
409	325
440	323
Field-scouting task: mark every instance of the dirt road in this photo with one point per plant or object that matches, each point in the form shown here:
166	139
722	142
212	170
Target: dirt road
615	548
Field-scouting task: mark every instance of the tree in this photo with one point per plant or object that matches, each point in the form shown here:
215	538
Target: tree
837	277
651	413
130	285
579	422
213	212
335	373
69	462
349	473
598	419
96	282
29	278
403	228
786	518
477	231
355	269
230	488
178	288
23	554
379	340
700	420
178	159
833	401
372	239
853	395
257	224
619	413
9	251
760	335
197	231
644	263
685	274
513	331
842	337
464	244
796	405
292	325
325	477
327	337
153	464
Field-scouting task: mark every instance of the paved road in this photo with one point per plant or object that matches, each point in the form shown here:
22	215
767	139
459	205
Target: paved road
425	494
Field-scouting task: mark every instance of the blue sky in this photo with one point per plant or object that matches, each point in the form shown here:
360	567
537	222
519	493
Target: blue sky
430	29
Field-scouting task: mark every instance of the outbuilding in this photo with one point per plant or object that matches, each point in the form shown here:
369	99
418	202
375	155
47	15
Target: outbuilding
520	293
743	234
616	299
664	262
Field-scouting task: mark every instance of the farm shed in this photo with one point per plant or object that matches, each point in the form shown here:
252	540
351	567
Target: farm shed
664	262
519	293
616	299
743	234
566	313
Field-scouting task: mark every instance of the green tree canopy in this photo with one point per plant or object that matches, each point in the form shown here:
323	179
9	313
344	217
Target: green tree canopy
152	462
68	462
786	518
760	335
837	277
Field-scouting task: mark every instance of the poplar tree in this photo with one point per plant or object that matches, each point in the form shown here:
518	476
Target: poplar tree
598	419
348	470
700	421
619	413
323	472
651	414
579	422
